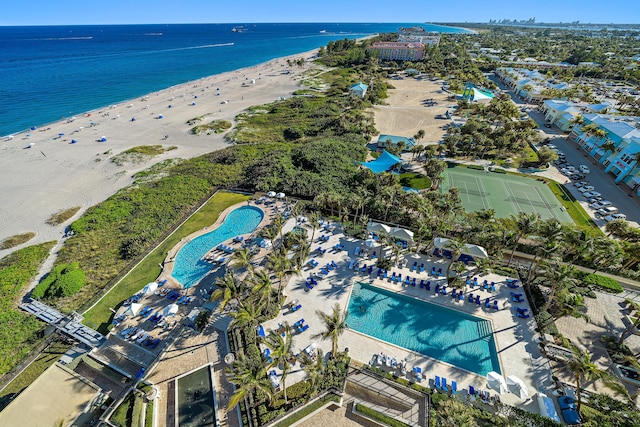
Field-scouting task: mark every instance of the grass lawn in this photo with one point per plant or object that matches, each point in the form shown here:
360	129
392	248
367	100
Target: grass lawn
415	180
578	214
148	270
33	371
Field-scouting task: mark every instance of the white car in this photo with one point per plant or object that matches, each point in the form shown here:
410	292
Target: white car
600	204
584	169
591	194
614	217
586	188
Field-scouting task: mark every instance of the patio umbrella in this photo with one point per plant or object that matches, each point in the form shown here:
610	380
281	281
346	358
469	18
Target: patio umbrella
401	233
103	139
150	288
496	382
133	309
440	242
517	387
73	141
271	194
475	251
170	310
376	227
370	243
280	195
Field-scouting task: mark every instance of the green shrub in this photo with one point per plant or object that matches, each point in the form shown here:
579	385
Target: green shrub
476	167
372	413
64	280
18	239
498	170
606	283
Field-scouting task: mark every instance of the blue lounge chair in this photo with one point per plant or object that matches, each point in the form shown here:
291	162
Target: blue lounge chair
267	355
444	384
475	281
470	297
472	391
522	315
454	388
371	269
478	300
487	303
399	278
413	282
363	269
261	331
439	272
155	343
421	283
422	268
379	272
296	308
386	274
437	290
492	287
415	266
433	271
417	372
495	305
393	277
461	296
304	328
436	382
428	285
407	280
444	289
454	295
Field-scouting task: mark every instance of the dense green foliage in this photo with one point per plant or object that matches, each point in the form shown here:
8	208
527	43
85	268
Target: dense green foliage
63	215
18	330
604	282
129	413
215	126
64	280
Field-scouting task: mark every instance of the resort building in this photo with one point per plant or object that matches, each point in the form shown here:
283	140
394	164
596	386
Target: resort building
398	51
359	89
419	35
561	113
528	84
614	141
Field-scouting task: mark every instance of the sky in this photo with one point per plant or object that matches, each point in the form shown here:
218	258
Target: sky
79	12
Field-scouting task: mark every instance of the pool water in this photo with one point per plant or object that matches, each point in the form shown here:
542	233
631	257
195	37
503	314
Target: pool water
435	331
195	399
189	268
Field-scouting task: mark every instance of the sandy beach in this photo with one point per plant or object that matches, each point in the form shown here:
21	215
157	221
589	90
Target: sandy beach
43	172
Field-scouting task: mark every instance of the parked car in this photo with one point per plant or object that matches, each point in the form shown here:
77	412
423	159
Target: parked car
584	169
599	205
586	188
607	210
594	199
614	217
590	194
576	176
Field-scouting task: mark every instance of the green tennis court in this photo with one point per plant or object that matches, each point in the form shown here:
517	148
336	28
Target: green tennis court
506	194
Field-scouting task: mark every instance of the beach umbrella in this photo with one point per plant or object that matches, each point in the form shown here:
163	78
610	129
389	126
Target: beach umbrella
376	227
160	116
170	106
170	310
517	387
280	195
33	128
401	233
370	243
133	119
440	242
133	309
103	139
73	141
271	194
496	382
61	134
475	251
149	288
10	137
193	103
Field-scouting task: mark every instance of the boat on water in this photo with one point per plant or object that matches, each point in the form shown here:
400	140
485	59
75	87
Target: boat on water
323	31
239	29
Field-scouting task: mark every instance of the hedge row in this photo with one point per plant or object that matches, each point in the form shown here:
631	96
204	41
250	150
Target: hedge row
604	282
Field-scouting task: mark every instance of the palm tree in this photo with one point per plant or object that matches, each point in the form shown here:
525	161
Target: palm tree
248	313
335	324
281	346
279	262
229	288
314	220
559	276
248	379
242	258
525	224
262	285
584	369
454	246
314	367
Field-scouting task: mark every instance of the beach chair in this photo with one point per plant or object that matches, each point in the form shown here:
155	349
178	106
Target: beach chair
461	296
439	272
393	276
399	278
436	382
428	285
437	289
472	393
407	280
522	315
422	268
379	274
487	303
385	275
454	295
444	385
470	299
415	266
304	328
417	372
454	388
495	305
357	251
421	283
413	282
363	269
371	269
433	271
492	287
478	300
475	281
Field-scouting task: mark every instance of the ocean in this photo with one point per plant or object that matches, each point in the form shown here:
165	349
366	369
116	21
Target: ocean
48	73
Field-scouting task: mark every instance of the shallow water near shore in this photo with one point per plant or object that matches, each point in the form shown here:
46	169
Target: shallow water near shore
53	72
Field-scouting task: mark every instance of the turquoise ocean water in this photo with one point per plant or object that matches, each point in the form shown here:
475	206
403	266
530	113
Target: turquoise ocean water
51	72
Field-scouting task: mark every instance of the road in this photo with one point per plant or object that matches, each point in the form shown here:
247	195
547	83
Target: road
603	182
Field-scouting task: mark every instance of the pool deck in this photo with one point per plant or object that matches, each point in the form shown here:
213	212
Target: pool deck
518	353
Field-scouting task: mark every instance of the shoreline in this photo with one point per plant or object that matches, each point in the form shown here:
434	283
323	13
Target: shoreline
45	172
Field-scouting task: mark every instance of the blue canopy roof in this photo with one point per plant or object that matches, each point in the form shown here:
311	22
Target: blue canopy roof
383	163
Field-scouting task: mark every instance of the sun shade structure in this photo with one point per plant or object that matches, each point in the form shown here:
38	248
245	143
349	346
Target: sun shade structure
133	309
401	233
517	387
496	382
149	288
384	163
475	251
170	310
376	227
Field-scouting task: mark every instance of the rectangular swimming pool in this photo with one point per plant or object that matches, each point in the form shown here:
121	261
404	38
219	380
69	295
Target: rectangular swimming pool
451	336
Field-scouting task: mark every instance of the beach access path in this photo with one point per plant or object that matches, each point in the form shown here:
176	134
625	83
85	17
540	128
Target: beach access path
43	172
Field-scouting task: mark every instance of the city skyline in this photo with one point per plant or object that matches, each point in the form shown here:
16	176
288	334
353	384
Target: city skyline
75	12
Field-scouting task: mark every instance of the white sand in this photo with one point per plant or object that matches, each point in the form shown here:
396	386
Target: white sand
54	174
